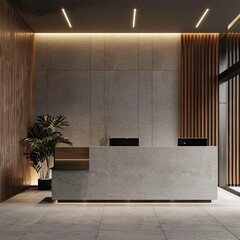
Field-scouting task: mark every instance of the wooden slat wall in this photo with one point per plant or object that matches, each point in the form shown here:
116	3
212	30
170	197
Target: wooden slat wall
200	86
233	141
16	99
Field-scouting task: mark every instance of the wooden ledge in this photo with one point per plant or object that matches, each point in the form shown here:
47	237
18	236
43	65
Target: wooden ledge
71	158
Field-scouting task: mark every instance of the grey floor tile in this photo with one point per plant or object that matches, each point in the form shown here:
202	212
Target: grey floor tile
131	235
82	218
10	238
50	235
17	219
229	217
57	224
25	217
191	223
12	232
129	218
193	235
235	231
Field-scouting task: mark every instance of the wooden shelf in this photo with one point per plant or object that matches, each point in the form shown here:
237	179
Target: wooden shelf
76	158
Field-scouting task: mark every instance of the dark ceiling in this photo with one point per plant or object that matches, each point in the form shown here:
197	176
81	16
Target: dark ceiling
109	16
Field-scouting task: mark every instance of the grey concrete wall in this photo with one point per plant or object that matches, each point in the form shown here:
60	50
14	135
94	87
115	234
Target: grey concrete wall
128	84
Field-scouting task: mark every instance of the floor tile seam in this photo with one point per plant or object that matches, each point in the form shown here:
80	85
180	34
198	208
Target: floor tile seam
27	229
127	205
159	222
220	223
130	230
41	216
100	222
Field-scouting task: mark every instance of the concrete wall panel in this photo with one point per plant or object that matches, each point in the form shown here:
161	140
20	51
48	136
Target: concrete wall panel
166	52
97	52
41	52
121	52
97	107
128	83
41	94
145	52
69	52
145	108
69	94
166	108
122	103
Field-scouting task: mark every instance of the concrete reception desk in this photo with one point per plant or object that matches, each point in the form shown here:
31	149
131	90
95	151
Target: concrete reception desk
141	173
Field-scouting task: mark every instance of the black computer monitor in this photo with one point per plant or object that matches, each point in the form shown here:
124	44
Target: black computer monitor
124	142
192	142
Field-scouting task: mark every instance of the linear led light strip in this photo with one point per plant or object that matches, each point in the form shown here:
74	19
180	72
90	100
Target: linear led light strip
134	17
234	21
203	16
65	15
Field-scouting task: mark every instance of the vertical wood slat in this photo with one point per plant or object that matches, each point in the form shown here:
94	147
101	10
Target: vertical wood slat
237	111
16	99
233	126
233	118
200	86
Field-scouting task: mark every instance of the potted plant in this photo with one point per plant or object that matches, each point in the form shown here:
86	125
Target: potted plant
42	139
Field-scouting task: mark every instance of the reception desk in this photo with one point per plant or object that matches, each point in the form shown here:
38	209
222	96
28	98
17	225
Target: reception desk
141	173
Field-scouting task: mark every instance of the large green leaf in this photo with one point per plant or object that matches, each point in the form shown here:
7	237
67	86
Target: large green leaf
43	137
55	122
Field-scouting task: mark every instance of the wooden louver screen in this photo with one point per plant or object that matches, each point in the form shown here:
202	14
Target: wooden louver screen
233	126
199	59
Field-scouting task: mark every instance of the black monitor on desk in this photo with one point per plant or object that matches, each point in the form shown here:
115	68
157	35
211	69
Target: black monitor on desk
124	142
192	142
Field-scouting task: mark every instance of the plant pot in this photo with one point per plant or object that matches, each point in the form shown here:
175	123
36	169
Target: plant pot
44	183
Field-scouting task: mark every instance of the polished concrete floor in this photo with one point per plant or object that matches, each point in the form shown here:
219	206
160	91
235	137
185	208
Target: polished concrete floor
28	216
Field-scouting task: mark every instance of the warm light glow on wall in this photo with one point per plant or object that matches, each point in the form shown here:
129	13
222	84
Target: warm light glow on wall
109	34
203	16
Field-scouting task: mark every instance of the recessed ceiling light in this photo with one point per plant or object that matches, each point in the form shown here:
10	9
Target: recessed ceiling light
134	17
65	15
234	21
203	16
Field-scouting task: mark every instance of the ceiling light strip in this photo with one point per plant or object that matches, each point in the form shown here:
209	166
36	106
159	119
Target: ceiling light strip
65	15
134	17
203	16
234	21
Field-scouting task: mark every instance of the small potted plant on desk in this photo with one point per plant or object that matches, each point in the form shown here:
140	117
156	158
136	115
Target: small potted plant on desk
42	139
